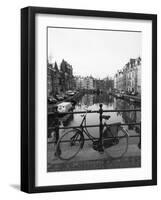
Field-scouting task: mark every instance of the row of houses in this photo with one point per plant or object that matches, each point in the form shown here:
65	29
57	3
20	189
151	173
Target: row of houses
90	83
59	79
84	82
129	78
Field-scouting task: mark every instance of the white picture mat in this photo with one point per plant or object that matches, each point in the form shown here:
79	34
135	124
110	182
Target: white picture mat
91	176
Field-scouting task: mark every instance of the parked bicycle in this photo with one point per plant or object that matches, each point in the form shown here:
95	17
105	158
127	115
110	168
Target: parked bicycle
114	140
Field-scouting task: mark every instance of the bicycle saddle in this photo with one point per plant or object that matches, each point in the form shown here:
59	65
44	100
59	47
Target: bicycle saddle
107	117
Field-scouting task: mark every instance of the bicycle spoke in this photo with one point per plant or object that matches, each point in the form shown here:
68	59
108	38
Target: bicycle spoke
116	147
70	144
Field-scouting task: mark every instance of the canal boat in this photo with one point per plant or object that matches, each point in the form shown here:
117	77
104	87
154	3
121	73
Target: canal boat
64	107
70	93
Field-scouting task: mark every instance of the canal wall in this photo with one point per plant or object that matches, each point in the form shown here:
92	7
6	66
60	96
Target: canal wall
127	97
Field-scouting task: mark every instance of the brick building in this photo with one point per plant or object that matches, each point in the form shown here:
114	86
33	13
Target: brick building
59	80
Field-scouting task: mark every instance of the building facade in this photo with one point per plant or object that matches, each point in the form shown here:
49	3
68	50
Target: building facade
59	80
66	76
89	83
49	79
129	78
86	83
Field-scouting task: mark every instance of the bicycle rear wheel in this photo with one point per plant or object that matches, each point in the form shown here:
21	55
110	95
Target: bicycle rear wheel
116	143
69	144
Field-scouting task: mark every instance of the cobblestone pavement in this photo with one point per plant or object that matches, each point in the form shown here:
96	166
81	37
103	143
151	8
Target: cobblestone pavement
88	159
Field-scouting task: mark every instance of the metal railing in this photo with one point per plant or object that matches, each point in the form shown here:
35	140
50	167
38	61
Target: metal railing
57	127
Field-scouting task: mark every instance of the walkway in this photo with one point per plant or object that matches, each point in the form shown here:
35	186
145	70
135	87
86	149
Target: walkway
91	159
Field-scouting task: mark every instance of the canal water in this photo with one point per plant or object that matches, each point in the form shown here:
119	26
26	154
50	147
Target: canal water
92	102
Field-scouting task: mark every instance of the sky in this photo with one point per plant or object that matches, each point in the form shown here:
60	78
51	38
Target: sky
99	53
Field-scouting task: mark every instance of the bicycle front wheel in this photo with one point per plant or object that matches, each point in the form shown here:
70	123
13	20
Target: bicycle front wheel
69	144
116	145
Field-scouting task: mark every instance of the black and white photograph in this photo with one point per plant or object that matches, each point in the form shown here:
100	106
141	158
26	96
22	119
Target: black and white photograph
89	99
94	94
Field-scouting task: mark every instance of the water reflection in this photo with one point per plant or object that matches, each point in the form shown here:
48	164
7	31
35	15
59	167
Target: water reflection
109	102
128	117
91	99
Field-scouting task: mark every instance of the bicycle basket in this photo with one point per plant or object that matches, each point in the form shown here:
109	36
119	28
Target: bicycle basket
109	135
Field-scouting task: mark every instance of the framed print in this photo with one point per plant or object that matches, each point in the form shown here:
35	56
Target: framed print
88	99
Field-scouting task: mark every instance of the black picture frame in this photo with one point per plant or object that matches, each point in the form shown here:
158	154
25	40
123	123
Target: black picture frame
28	98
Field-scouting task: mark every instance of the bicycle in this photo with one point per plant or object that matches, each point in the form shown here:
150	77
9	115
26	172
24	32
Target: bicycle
114	141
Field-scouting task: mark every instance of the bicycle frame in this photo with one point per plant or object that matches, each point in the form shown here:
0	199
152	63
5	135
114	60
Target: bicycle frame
98	144
84	128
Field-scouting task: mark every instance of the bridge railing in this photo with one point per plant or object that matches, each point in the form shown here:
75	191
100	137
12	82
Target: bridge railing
57	127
